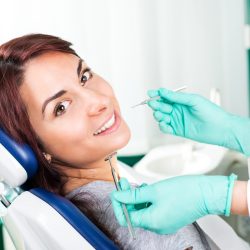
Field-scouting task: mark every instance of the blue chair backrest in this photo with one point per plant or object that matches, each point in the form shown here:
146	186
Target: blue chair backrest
24	161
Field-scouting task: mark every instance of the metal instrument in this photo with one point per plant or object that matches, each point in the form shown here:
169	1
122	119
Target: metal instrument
157	97
124	208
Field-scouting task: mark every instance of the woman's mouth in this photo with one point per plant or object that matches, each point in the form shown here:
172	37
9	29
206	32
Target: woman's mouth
110	126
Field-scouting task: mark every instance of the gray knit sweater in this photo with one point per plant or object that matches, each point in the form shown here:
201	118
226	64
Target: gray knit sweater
190	236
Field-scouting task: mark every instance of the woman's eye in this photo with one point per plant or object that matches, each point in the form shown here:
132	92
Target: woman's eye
86	75
61	108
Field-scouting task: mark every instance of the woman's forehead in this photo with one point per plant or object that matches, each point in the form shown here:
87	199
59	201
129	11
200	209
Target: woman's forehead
52	60
51	68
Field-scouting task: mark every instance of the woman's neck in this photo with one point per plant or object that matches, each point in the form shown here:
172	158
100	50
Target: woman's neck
99	170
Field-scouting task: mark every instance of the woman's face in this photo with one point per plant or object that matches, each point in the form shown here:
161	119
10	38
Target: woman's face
68	106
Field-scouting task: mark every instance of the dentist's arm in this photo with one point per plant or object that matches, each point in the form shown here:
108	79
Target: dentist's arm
179	201
239	199
196	118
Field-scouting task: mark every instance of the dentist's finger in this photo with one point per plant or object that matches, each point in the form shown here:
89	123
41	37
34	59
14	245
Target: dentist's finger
136	217
177	97
165	128
117	207
134	196
159	116
142	205
125	185
118	210
152	93
161	106
139	218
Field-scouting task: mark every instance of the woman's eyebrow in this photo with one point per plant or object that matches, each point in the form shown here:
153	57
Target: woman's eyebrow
61	92
79	67
58	94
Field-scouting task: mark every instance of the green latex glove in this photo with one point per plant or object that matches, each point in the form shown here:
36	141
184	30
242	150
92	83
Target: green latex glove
171	204
194	117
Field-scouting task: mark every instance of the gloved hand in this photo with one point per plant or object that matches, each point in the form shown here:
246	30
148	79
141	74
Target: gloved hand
194	117
175	202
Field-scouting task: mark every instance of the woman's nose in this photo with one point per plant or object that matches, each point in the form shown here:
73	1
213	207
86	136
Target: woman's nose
98	104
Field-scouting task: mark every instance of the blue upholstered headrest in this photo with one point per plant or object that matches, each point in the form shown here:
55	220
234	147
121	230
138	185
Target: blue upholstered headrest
17	162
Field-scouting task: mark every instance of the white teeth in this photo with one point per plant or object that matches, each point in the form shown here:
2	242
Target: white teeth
107	125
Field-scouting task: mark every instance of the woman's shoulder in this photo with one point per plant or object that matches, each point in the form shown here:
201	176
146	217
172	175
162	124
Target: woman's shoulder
98	193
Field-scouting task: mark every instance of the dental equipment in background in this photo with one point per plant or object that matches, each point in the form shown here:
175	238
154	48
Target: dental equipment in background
157	97
124	208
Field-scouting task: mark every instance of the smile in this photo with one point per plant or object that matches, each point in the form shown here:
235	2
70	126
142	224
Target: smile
110	126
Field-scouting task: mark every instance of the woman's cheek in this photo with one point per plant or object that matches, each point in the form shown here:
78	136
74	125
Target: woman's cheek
73	130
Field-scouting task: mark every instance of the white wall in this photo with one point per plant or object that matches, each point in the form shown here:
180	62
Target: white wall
141	44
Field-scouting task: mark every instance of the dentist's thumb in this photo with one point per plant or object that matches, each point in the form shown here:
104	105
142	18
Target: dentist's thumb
173	97
177	97
138	216
133	196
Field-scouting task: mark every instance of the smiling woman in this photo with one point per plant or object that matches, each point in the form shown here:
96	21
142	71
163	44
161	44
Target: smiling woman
51	100
60	108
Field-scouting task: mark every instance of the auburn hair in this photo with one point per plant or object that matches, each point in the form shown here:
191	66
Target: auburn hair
14	118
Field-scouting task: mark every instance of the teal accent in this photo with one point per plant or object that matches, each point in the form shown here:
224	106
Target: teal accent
1	236
248	62
247	18
248	11
130	160
231	180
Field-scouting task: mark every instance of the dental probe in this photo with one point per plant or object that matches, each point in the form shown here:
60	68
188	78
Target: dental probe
157	97
124	208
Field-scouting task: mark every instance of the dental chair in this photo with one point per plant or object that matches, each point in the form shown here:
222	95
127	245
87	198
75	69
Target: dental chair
38	219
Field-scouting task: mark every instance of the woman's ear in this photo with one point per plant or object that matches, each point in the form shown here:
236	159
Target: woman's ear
48	157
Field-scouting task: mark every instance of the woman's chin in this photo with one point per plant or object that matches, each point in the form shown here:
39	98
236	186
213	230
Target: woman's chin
122	138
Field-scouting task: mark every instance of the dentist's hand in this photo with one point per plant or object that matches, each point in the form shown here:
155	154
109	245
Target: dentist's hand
196	118
174	202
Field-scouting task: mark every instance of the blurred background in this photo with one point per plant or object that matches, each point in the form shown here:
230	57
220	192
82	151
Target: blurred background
138	45
141	44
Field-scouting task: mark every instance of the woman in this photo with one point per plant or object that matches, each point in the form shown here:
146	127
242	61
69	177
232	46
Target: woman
51	100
